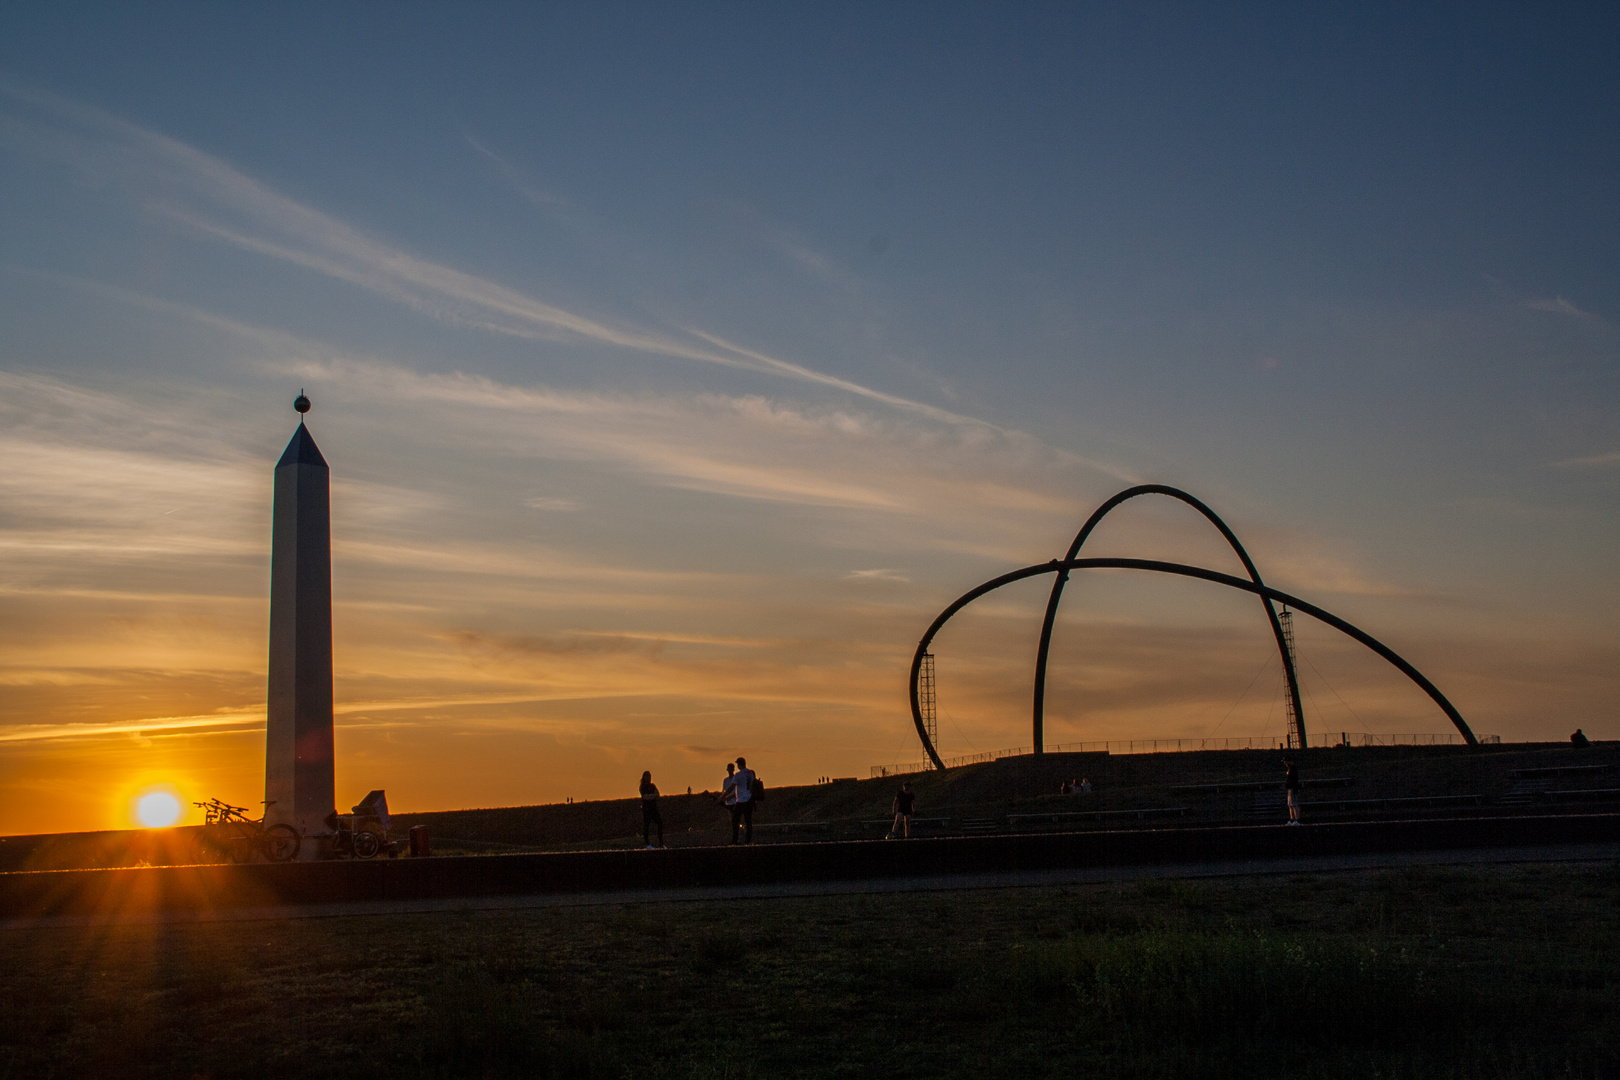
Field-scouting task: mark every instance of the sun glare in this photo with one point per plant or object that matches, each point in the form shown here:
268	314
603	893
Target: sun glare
157	809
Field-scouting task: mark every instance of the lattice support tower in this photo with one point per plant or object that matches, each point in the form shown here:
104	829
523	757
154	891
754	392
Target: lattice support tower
926	700
1285	619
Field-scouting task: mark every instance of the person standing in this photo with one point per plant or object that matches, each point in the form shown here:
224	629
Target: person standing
649	811
904	803
744	809
728	797
1291	784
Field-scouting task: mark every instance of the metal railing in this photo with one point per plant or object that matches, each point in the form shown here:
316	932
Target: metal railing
1172	746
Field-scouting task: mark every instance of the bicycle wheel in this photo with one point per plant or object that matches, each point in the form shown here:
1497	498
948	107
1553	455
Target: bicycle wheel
203	850
366	844
281	843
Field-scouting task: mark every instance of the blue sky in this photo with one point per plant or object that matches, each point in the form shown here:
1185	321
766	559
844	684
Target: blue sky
676	364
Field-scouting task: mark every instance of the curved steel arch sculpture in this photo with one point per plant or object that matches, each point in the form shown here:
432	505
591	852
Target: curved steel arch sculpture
1062	568
1063	578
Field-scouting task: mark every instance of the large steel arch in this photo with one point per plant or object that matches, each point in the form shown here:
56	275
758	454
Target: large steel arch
1063	578
1063	566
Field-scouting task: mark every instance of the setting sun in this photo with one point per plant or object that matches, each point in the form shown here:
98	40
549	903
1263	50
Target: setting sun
157	809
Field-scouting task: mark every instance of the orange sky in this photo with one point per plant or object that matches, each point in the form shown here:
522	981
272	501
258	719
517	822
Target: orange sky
471	672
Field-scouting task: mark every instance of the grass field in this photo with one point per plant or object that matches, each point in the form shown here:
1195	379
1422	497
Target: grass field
1417	973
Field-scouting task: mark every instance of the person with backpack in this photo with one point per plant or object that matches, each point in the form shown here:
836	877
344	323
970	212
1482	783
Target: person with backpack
742	811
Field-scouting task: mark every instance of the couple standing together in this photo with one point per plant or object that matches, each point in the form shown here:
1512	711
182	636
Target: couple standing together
739	794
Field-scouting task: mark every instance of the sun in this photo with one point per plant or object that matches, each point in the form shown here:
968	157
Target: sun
157	809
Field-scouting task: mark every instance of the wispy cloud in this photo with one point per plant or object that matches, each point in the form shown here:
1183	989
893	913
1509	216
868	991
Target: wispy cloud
550	503
154	726
91	474
1310	573
546	200
745	446
1610	460
1558	305
203	193
880	574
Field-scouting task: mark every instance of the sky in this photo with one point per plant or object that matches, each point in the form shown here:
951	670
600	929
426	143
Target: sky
676	364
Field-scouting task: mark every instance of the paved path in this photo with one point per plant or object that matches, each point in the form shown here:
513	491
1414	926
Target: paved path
1552	853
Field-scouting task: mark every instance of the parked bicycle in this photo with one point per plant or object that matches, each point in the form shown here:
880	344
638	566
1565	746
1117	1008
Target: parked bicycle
227	831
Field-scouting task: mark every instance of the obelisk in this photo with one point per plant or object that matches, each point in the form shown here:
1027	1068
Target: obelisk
298	733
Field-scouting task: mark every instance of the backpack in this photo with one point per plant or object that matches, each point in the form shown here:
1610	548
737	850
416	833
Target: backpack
756	790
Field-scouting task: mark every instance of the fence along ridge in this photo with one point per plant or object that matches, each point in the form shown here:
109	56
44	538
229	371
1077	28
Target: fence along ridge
1168	746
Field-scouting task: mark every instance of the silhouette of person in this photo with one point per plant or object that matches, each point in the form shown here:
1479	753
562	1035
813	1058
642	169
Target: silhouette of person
649	811
728	798
1579	738
1291	783
743	809
904	803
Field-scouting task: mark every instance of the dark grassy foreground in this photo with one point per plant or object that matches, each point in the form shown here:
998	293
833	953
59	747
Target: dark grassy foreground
1421	973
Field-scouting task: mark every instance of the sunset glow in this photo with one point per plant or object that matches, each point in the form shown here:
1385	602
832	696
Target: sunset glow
675	369
157	809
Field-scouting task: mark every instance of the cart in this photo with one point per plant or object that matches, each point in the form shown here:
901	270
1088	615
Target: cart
363	832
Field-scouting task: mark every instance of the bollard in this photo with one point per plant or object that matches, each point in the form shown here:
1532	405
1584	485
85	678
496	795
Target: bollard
419	840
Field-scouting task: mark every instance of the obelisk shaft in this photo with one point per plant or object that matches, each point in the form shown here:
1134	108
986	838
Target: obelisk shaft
298	787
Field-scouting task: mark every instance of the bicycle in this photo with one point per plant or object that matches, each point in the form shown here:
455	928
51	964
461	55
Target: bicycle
229	831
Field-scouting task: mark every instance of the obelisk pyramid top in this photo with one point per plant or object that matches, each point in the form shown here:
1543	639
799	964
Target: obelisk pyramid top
301	450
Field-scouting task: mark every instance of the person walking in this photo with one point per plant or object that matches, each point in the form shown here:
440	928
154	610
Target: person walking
904	803
649	811
1291	784
743	811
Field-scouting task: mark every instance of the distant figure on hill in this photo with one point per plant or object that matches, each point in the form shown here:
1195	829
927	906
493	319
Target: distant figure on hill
649	811
1291	783
1068	787
742	808
1579	738
1085	786
904	803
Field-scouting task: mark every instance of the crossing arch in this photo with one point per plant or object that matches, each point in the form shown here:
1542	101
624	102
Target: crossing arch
1039	711
1063	567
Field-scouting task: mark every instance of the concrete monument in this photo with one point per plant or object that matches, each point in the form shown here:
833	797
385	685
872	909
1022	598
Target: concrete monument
298	734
